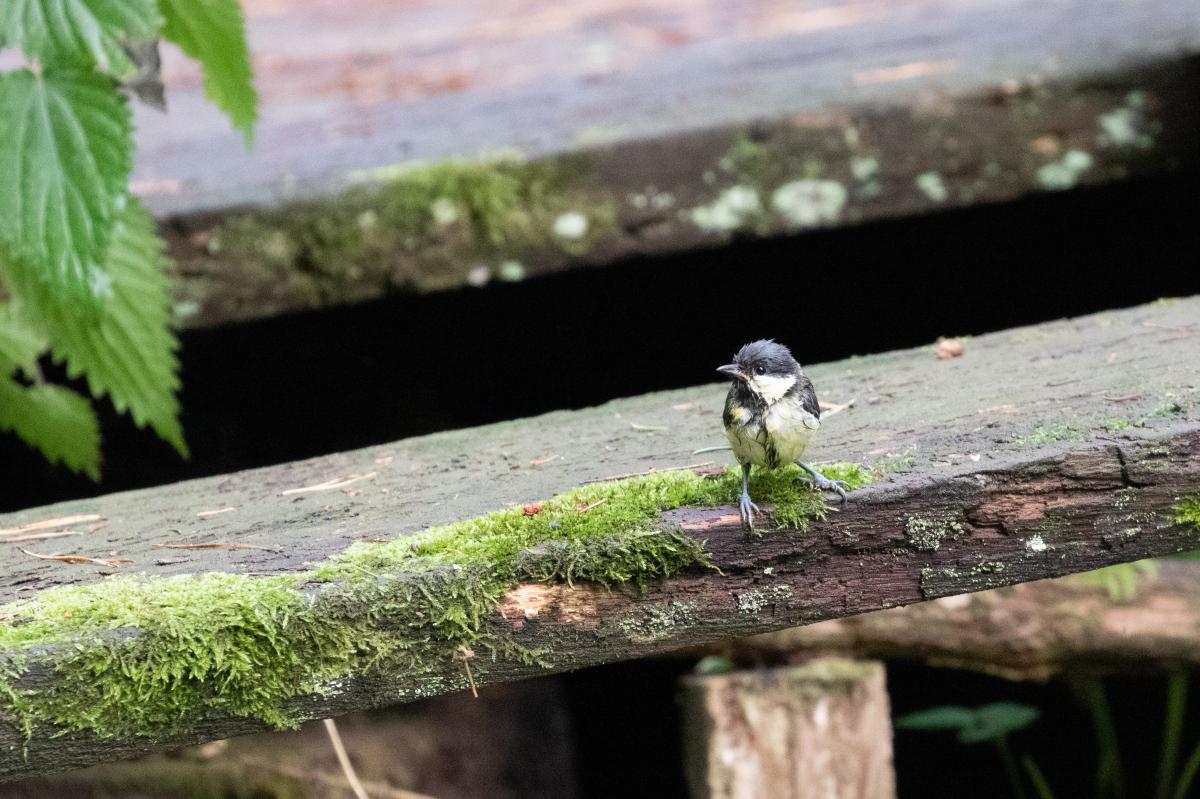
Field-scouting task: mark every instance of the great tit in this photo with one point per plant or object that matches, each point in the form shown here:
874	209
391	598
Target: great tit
771	412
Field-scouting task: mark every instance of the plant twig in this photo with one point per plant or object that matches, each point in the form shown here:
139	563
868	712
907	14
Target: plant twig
337	482
77	559
215	545
344	760
651	470
50	524
40	536
467	654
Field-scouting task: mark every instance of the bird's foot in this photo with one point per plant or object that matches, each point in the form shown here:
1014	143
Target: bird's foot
748	509
820	482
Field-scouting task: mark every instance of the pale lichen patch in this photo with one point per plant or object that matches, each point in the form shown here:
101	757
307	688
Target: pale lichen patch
1065	172
809	202
733	208
571	225
933	187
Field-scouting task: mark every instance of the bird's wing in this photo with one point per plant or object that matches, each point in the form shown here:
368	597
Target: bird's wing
808	400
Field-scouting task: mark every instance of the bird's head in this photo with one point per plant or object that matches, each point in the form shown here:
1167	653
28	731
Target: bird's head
765	367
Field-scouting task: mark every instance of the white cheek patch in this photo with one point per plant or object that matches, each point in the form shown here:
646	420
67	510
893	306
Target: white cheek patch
771	388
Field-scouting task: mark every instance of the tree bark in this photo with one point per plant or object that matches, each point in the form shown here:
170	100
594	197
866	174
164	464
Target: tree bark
1032	631
818	731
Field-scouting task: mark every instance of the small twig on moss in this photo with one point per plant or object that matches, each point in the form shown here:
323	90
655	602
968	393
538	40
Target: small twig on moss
339	749
215	545
544	460
649	471
204	514
77	559
585	508
647	428
467	654
704	450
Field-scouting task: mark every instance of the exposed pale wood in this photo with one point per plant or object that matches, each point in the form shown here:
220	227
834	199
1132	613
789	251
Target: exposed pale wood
1011	442
818	731
908	107
1031	631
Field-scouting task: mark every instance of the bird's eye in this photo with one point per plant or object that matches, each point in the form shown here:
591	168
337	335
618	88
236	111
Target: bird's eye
760	370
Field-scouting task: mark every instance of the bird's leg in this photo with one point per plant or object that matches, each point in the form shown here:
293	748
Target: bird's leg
746	506
822	483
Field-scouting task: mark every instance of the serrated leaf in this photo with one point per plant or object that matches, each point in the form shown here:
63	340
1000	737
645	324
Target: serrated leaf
20	342
66	150
127	349
82	32
56	421
214	33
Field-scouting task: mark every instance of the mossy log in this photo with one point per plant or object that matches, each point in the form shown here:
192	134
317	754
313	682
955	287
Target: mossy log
1041	451
1147	616
598	132
819	730
513	742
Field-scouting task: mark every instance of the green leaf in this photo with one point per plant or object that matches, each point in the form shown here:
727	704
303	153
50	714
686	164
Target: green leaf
127	349
20	342
1120	581
83	32
214	33
945	717
66	150
973	725
998	719
54	420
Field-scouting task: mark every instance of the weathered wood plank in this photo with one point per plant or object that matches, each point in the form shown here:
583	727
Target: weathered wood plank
1032	631
656	126
1041	451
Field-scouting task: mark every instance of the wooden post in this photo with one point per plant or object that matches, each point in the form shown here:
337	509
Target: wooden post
818	731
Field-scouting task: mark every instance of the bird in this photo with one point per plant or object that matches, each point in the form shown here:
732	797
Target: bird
771	412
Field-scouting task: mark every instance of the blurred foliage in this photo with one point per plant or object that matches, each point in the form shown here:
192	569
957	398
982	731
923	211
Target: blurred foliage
82	274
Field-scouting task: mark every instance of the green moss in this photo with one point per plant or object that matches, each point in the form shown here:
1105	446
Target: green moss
1117	425
894	462
1187	511
418	224
140	656
1045	435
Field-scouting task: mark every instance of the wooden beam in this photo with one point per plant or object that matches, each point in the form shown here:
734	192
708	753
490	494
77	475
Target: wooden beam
800	732
638	130
1032	631
1040	451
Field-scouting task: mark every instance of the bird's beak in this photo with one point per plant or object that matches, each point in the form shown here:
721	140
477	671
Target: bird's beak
731	370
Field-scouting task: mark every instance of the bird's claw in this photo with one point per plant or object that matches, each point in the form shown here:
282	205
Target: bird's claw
820	482
748	509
